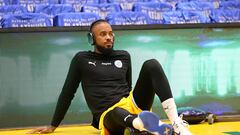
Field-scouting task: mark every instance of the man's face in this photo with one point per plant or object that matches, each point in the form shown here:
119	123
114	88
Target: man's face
103	35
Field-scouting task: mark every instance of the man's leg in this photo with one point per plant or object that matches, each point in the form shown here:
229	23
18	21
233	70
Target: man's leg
118	119
152	80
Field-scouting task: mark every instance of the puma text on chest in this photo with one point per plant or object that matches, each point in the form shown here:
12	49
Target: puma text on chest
106	63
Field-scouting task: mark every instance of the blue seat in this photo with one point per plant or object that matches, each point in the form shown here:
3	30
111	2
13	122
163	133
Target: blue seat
5	2
154	10
127	18
31	4
11	9
196	17
77	4
75	19
172	2
26	20
196	5
207	0
36	2
230	5
78	1
152	6
225	16
169	1
8	2
173	17
54	9
126	5
101	9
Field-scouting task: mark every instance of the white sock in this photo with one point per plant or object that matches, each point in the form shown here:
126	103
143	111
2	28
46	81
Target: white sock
170	108
138	124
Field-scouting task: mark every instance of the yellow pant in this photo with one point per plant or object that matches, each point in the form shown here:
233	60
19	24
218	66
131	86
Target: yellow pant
125	103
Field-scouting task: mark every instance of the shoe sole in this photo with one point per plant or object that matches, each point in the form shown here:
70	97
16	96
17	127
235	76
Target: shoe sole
151	124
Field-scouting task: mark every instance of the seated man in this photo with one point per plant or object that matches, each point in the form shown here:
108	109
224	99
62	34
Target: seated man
105	76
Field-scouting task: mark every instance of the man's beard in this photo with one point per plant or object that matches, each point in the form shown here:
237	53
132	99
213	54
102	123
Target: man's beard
103	50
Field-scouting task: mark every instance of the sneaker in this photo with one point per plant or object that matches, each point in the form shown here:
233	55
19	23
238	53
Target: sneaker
132	131
181	127
152	123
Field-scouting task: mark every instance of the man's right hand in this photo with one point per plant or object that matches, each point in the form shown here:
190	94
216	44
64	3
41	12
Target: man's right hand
42	130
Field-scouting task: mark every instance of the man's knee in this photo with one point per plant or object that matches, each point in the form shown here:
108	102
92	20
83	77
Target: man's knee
152	65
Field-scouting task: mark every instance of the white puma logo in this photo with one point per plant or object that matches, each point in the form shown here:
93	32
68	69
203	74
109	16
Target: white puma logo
92	63
125	119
